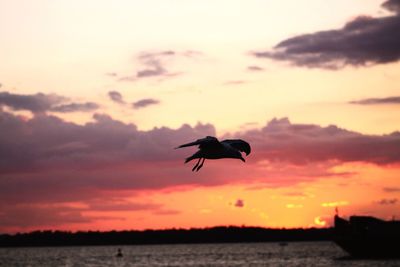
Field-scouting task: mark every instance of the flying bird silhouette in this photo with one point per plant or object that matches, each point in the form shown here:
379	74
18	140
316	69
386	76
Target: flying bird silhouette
211	148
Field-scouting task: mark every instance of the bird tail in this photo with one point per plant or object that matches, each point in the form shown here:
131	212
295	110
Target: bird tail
189	159
196	155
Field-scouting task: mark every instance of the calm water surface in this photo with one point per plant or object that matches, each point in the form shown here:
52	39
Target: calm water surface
247	254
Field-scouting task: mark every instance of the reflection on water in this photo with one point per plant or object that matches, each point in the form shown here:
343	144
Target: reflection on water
247	254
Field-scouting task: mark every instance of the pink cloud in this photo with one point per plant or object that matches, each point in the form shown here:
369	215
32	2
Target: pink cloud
34	215
61	160
48	160
280	140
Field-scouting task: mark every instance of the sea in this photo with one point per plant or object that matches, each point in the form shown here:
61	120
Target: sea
227	254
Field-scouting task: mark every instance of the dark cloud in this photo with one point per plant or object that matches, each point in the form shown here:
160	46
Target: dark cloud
154	69
46	158
363	41
145	102
385	201
157	71
235	82
392	5
376	101
152	65
74	107
36	103
280	140
391	189
151	55
167	212
239	203
254	68
116	97
39	103
155	64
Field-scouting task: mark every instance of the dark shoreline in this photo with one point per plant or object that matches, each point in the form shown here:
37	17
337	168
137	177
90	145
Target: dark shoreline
228	234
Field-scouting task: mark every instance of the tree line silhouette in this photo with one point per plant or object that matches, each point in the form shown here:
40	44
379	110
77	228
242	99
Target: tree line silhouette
220	234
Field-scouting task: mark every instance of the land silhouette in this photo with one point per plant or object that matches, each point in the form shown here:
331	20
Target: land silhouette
220	234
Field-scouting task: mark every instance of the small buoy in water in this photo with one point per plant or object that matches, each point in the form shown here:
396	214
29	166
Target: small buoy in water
119	253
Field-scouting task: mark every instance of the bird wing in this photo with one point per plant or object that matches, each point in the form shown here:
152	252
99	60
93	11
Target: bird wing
204	143
238	144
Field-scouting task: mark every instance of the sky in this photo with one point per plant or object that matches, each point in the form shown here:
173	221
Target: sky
94	96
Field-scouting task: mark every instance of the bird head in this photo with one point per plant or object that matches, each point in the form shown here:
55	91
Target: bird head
238	155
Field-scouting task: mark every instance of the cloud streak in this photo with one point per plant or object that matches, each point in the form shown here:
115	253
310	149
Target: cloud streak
116	97
75	107
24	216
363	41
386	201
255	68
145	103
36	103
153	64
391	189
377	101
235	82
39	103
142	103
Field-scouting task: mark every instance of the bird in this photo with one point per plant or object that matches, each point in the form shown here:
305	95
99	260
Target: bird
211	148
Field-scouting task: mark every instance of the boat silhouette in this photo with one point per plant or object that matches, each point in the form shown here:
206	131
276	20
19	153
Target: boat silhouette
368	237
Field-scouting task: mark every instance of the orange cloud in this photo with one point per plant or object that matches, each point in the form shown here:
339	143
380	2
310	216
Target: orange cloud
335	204
294	206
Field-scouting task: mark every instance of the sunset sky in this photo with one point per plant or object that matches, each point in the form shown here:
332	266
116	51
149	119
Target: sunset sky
95	94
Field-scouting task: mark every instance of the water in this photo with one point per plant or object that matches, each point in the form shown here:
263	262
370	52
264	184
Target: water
247	254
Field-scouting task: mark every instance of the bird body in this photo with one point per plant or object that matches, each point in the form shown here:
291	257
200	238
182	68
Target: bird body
211	148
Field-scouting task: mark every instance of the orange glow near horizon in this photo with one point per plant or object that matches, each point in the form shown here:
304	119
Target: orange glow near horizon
307	204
